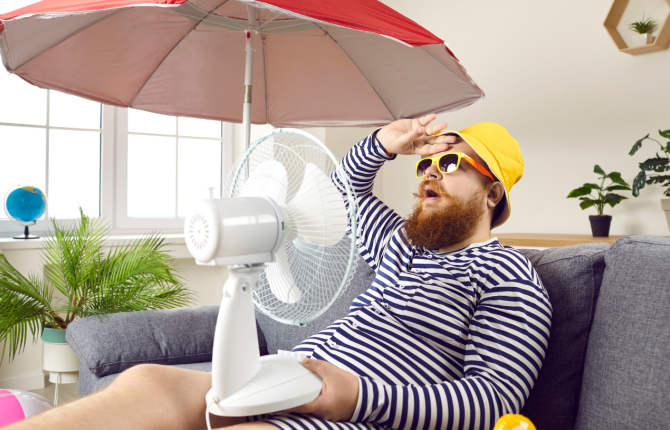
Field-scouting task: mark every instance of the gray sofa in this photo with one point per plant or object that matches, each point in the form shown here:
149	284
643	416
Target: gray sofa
607	365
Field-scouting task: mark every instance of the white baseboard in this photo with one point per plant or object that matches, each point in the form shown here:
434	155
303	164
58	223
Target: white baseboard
34	381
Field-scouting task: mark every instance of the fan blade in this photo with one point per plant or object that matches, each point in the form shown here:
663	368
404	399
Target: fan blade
281	281
317	211
269	179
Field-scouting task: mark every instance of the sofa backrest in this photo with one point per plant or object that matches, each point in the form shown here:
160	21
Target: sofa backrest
627	370
572	276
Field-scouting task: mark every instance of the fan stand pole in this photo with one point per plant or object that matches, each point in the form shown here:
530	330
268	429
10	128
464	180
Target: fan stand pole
235	357
243	382
250	33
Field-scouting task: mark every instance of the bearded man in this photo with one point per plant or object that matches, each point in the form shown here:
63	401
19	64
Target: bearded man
451	335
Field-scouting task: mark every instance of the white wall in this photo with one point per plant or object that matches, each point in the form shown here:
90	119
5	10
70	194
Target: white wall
556	81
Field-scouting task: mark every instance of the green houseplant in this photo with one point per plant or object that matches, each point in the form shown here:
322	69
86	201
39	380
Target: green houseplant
130	277
660	165
643	29
592	194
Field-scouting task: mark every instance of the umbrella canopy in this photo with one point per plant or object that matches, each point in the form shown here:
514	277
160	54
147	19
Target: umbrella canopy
317	62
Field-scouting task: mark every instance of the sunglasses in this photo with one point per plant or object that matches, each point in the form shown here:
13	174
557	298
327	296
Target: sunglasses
449	163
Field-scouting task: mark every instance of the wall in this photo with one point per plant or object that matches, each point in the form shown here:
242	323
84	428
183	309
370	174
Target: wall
553	77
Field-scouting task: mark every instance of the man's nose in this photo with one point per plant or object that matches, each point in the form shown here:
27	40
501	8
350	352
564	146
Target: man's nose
433	172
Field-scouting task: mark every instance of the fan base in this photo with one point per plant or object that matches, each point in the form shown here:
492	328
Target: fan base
281	383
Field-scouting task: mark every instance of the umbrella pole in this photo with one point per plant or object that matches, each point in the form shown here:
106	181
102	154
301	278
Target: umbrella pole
250	34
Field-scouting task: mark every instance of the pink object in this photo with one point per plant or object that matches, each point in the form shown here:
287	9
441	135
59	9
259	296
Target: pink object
16	405
317	62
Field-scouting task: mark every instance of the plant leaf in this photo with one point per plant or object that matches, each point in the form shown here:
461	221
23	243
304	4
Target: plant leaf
664	133
597	169
657	179
655	164
638	145
613	199
587	204
618	188
638	182
616	178
578	192
592	186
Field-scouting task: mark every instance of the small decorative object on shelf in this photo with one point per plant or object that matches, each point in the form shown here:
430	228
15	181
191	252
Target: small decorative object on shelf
660	42
643	29
659	165
24	205
600	223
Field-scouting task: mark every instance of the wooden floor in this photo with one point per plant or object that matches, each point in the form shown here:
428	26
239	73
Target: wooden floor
66	392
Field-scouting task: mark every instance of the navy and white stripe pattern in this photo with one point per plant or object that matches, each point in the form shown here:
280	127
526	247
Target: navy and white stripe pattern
440	340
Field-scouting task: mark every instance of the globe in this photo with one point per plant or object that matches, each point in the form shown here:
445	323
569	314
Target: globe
24	205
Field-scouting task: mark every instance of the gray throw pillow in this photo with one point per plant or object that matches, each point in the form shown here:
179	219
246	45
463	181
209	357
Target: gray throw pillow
626	375
572	277
113	343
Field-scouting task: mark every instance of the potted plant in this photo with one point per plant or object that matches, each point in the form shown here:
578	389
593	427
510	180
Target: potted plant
643	29
596	195
130	277
659	165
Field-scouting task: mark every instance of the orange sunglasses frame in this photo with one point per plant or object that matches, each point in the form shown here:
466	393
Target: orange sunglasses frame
461	155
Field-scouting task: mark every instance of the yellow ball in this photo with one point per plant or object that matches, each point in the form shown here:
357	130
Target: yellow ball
514	422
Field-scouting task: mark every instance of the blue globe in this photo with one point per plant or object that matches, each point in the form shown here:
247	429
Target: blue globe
25	204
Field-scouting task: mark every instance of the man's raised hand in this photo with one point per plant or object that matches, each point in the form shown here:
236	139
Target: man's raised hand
413	136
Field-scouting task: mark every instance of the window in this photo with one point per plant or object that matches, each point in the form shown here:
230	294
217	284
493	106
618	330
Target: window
140	171
52	141
165	165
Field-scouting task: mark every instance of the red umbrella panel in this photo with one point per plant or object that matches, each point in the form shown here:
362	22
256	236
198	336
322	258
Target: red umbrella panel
317	62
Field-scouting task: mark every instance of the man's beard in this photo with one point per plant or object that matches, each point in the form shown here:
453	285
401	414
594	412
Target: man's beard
447	224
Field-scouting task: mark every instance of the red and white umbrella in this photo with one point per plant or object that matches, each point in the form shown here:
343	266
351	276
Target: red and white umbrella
317	62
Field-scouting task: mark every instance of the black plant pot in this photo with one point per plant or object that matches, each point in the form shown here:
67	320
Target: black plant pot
600	225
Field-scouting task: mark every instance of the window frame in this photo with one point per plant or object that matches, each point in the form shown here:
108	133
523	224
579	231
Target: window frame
43	225
169	225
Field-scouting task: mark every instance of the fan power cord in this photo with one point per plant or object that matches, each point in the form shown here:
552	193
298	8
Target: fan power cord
215	401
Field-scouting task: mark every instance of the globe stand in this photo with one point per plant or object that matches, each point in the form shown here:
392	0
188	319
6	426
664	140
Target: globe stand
26	235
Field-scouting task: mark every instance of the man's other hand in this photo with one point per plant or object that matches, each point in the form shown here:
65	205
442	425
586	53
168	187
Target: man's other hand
339	396
413	136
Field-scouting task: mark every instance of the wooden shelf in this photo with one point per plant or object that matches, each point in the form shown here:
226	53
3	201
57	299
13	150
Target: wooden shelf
661	42
550	240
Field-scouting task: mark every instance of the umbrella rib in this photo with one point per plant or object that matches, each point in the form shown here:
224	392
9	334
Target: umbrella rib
172	50
265	69
359	71
450	69
70	35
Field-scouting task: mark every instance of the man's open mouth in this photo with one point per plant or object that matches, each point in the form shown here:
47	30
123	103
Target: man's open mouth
430	193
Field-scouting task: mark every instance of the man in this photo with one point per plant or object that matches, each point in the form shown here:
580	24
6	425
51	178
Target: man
451	334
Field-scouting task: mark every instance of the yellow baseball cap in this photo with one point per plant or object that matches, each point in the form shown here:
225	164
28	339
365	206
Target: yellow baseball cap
501	153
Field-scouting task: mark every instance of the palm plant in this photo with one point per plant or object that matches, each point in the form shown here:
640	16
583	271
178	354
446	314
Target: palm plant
131	277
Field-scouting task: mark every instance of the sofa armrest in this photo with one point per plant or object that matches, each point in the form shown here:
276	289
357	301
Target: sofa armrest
110	344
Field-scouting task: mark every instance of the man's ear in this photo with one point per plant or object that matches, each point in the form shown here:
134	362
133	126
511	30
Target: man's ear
496	193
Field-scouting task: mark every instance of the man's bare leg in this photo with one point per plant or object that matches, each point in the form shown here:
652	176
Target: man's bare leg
143	397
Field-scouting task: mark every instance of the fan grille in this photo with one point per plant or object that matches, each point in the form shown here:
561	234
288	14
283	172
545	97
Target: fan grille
199	231
321	273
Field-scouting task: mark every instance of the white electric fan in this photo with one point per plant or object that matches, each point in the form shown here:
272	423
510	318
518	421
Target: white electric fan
288	235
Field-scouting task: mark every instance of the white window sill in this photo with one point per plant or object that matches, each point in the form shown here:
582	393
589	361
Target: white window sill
173	242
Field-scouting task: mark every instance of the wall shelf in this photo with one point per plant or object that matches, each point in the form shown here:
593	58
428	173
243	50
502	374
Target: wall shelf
661	42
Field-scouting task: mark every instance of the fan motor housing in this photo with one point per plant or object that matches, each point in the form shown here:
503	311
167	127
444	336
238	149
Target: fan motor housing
238	230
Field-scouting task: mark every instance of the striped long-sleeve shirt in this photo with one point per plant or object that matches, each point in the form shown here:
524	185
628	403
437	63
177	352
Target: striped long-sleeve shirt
440	340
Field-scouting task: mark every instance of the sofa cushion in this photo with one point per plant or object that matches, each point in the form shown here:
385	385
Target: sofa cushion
626	379
113	343
283	336
572	277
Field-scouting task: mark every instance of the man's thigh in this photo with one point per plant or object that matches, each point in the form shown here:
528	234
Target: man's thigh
182	390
